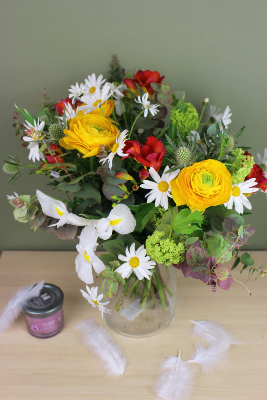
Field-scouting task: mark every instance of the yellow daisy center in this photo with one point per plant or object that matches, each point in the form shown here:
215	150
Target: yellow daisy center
115	221
96	302
115	147
236	191
163	186
86	256
134	262
58	211
92	89
95	104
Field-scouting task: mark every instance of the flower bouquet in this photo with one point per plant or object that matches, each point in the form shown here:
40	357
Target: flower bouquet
155	192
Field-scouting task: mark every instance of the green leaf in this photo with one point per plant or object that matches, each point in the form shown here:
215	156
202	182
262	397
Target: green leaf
106	274
185	220
107	257
143	212
114	264
191	240
113	288
86	203
119	278
30	118
66	187
114	246
128	240
246	259
76	180
43	147
88	191
236	262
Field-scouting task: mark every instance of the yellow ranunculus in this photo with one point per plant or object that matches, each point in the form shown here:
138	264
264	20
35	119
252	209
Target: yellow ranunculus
202	185
107	108
87	133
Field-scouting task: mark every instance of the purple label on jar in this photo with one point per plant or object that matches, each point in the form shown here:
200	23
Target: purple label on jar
44	325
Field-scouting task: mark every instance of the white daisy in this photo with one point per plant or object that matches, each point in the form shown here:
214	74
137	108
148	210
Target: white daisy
160	190
137	262
12	197
263	161
238	198
119	107
213	113
76	91
116	148
153	108
226	118
94	300
95	100
86	259
69	112
120	220
34	133
118	90
91	84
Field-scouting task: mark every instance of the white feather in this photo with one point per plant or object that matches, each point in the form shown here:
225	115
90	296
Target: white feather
99	341
210	331
14	306
176	379
211	357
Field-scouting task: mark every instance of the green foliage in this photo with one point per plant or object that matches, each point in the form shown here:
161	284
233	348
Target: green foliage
218	247
107	257
142	214
114	246
187	222
247	260
113	281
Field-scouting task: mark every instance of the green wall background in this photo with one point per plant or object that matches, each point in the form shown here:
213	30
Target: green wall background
208	48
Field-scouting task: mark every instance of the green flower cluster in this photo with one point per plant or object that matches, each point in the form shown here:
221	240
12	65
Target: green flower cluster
186	120
165	251
241	166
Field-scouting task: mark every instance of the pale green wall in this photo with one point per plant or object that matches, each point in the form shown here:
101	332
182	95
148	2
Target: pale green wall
208	48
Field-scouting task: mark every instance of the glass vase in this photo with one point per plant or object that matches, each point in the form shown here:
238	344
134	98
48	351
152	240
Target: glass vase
144	308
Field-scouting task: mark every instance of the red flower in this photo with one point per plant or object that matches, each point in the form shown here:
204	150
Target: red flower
143	174
61	105
145	78
149	155
257	172
131	86
55	158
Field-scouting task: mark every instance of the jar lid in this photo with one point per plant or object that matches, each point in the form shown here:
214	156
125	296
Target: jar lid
48	303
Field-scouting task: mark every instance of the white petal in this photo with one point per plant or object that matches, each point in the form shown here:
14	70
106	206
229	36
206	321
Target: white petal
84	269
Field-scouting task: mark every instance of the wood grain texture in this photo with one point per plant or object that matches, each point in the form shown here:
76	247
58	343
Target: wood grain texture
60	367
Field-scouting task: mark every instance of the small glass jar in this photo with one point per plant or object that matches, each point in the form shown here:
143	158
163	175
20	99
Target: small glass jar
44	314
131	317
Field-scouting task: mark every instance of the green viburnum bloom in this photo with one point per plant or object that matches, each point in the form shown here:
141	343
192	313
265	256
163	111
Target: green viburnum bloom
186	120
165	251
241	166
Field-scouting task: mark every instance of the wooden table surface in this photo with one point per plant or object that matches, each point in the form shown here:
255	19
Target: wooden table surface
60	368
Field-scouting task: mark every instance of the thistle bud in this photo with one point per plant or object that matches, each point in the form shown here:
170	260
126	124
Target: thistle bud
56	132
184	156
230	143
11	168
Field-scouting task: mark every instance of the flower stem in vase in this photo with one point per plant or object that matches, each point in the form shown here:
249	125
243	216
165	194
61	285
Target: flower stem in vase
160	289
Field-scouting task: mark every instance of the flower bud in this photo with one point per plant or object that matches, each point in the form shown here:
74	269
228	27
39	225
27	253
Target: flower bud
135	187
184	156
56	132
123	187
10	168
206	101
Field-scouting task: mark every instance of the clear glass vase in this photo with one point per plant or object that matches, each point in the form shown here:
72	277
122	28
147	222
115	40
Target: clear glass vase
146	309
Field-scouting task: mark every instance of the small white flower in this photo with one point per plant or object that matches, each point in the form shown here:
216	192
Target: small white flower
55	174
213	113
119	107
238	198
12	197
35	154
57	209
95	100
86	259
92	84
118	90
153	108
116	148
160	190
69	112
137	262
76	91
263	161
120	220
94	300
